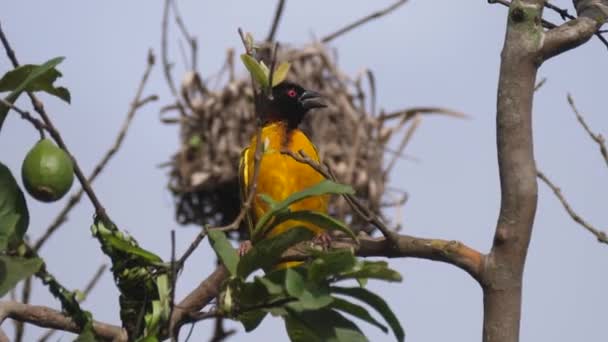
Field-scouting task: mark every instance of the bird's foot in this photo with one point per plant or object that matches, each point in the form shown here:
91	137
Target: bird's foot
245	247
323	239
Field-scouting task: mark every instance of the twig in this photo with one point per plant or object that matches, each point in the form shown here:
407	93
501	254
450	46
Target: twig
540	84
409	113
406	138
137	103
362	21
88	288
598	138
39	108
182	260
600	235
359	208
275	22
173	282
189	38
164	49
219	333
27	116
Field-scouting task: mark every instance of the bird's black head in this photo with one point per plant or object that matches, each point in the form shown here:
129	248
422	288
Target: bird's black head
290	102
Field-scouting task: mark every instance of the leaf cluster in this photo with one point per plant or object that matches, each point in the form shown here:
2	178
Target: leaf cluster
313	297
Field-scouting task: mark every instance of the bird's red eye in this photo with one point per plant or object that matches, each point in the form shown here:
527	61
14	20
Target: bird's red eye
292	93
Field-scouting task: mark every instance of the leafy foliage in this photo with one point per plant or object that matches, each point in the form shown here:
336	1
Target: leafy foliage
31	78
13	269
261	74
304	296
14	216
142	279
280	211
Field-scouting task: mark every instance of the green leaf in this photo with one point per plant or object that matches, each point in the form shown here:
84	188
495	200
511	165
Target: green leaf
317	218
271	287
375	302
31	78
87	334
330	264
310	295
267	253
14	216
134	250
265	69
249	42
372	269
357	311
294	282
256	70
40	80
269	200
251	319
15	269
280	73
322	188
322	326
224	250
195	141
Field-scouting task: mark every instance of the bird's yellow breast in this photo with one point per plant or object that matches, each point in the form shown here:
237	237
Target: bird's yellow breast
280	175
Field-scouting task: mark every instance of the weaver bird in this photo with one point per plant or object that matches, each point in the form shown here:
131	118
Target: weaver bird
280	175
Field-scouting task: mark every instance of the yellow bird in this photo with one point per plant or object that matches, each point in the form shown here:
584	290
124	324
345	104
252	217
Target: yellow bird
280	175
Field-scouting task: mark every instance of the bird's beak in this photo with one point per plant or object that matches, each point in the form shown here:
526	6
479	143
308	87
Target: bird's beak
311	99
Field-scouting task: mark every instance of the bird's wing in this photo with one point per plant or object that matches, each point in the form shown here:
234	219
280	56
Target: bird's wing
244	184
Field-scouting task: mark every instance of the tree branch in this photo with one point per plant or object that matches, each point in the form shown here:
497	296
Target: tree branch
136	104
206	291
275	22
600	235
48	318
359	22
39	108
568	36
598	138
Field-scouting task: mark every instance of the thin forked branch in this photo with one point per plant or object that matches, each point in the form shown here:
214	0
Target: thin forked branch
362	21
598	138
600	235
136	104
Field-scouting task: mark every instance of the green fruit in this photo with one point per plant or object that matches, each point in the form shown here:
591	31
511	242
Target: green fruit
47	171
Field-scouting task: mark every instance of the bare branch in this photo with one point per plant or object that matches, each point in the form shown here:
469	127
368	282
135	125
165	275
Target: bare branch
600	235
164	49
275	22
48	318
198	298
598	138
406	138
568	36
189	38
25	115
39	108
362	21
407	114
136	104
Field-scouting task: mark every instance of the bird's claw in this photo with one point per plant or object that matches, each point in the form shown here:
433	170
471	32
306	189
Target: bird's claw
245	247
323	240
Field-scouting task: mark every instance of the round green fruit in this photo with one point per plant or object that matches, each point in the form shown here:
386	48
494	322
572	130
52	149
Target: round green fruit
47	171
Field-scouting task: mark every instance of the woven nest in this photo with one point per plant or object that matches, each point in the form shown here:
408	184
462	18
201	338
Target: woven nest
217	125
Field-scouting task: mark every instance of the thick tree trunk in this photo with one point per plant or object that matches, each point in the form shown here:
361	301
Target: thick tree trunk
503	270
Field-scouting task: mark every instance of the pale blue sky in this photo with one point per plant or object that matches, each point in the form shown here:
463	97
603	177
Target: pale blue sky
444	53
